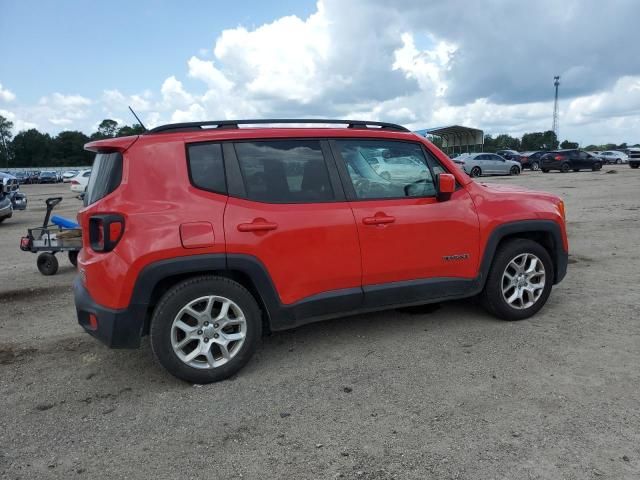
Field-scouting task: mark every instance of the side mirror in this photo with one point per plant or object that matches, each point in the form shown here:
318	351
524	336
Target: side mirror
446	185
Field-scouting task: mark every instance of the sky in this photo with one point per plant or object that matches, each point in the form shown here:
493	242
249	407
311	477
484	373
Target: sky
68	64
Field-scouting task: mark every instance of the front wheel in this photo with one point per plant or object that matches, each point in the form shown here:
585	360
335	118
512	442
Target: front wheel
596	166
634	165
545	170
205	329
476	172
73	258
618	161
564	168
535	166
519	281
514	171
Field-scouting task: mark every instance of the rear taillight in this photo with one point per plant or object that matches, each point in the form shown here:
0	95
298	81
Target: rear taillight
105	231
75	182
558	158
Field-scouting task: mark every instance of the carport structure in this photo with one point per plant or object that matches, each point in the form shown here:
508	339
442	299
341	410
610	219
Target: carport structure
456	138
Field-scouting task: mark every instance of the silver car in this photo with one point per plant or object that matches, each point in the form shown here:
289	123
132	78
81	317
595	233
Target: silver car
478	164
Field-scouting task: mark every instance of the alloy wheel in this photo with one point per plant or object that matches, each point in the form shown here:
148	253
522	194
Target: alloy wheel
208	332
523	281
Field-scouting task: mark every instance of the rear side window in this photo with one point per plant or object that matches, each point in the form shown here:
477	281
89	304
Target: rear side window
206	167
284	171
106	176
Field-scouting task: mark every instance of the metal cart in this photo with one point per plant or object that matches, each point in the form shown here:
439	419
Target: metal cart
62	236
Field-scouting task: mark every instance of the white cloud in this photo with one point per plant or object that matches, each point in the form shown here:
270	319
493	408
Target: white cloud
6	95
413	62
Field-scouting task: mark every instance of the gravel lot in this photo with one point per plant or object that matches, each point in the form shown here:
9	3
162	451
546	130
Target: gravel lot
435	393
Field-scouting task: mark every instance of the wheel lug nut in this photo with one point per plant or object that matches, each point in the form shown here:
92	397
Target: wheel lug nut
199	332
206	324
215	335
215	325
206	339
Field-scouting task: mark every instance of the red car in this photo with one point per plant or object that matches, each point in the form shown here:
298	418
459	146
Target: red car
204	235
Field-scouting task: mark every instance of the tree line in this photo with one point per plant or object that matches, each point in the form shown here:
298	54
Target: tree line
32	148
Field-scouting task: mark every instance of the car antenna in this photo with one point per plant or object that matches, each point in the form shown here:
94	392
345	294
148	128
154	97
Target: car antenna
139	121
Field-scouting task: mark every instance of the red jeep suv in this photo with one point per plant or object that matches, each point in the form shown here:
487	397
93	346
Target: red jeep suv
205	234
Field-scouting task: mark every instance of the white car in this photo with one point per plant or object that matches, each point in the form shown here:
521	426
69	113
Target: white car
80	181
68	175
613	156
396	168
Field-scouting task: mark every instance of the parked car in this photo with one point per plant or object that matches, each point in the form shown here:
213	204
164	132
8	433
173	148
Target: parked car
215	236
68	175
33	177
634	157
23	177
478	164
47	177
393	167
10	189
80	181
531	160
613	156
570	159
6	209
509	155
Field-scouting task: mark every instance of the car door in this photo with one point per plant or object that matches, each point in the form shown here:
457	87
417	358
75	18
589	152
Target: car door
498	164
288	210
409	240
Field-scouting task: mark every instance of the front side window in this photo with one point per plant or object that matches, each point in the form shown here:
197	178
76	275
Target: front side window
284	171
403	173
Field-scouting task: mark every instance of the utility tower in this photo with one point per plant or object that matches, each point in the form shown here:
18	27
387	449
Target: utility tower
556	83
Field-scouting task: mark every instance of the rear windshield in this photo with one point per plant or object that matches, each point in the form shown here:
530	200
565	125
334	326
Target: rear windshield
106	176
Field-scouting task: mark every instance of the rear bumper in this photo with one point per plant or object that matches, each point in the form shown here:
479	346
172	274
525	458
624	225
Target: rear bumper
115	328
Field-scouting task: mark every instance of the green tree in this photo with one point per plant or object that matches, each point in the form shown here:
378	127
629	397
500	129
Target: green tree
135	129
6	127
32	149
539	141
68	149
106	129
568	144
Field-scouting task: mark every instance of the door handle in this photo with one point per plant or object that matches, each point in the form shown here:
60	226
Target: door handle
258	225
378	219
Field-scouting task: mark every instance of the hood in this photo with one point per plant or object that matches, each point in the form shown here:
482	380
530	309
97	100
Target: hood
499	188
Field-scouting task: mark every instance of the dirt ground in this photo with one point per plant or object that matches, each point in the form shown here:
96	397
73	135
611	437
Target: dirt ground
449	393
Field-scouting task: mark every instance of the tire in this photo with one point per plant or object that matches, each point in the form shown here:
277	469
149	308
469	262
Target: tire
618	161
564	168
73	258
476	172
576	169
47	263
493	298
514	171
165	334
535	166
545	170
634	165
596	166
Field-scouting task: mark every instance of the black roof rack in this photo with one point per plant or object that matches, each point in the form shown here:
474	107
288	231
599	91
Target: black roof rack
191	126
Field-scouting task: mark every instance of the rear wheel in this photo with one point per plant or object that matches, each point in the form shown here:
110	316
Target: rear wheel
576	169
545	170
476	172
535	166
635	165
514	170
618	161
564	168
205	329
596	166
47	263
520	279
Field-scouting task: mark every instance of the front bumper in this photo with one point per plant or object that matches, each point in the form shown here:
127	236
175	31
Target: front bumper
115	328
